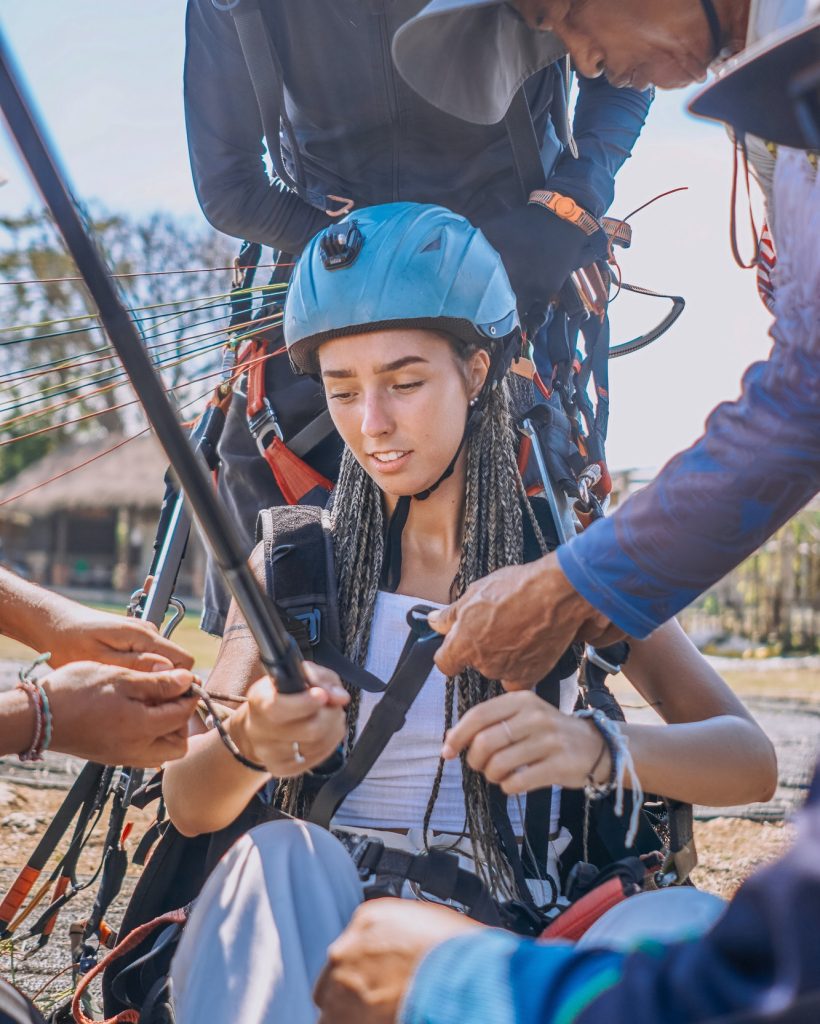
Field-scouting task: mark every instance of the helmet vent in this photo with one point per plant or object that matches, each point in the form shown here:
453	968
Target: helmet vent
434	245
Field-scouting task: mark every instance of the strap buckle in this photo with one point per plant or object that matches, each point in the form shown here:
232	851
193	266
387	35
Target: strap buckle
595	658
364	851
313	621
264	426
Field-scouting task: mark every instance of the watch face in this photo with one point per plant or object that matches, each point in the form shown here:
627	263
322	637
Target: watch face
566	207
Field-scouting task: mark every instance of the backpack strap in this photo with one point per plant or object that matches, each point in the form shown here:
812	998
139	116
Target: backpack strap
267	79
524	144
300	578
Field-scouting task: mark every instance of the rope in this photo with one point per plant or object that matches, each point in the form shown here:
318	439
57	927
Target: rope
120	444
152	273
57	406
134	309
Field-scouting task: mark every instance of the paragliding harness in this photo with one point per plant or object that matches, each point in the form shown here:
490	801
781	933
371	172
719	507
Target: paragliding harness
301	580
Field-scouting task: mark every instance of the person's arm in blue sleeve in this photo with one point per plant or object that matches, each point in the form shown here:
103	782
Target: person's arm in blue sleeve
606	127
762	957
757	464
225	140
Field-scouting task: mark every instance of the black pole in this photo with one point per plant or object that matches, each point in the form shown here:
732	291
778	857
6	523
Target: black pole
277	649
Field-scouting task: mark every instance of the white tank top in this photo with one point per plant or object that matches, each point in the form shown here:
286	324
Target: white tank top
397	789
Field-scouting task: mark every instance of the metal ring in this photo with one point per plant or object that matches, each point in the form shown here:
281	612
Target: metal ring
298	756
508	730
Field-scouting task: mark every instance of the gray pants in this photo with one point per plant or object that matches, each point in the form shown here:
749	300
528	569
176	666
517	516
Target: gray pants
259	933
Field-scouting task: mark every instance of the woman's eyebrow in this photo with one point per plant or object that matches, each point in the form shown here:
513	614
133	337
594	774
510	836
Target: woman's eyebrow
397	364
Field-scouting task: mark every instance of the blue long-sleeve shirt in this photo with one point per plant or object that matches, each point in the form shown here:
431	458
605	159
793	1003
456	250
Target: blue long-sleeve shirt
755	466
761	958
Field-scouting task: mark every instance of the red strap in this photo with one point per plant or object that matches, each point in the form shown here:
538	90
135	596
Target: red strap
134	938
576	919
293	475
256	378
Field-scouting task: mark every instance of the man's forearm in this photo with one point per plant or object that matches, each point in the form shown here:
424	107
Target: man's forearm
607	124
16	722
24	607
494	977
709	508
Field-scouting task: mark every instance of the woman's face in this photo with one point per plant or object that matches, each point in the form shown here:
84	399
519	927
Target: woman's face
399	399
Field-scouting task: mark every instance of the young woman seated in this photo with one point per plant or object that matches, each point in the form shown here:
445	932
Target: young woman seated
411	336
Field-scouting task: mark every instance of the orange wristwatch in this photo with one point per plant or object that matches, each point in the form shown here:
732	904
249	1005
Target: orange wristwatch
566	209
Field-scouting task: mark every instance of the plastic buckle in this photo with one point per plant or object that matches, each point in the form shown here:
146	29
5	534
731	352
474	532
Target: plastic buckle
366	855
263	424
595	658
313	621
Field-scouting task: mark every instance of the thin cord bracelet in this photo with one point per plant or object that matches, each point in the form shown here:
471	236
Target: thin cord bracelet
622	763
42	710
227	740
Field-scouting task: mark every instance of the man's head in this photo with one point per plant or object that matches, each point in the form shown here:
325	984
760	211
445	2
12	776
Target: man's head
469	57
638	43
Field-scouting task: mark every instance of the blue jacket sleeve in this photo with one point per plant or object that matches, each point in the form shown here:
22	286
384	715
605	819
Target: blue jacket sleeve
760	958
606	126
756	465
225	140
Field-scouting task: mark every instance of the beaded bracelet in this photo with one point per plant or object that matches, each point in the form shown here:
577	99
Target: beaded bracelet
43	724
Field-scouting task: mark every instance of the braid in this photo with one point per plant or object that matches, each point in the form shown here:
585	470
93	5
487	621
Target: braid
493	537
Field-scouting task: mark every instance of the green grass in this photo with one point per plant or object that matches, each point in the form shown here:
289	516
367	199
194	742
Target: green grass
187	634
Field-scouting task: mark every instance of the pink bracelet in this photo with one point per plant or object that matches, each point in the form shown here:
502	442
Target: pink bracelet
42	711
35	751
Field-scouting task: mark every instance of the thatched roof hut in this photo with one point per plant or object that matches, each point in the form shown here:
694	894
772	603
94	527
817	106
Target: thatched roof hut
85	516
129	476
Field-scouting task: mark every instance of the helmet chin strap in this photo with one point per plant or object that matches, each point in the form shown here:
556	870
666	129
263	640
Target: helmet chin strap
715	29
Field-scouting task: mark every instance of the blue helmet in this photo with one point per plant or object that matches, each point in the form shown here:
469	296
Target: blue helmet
398	265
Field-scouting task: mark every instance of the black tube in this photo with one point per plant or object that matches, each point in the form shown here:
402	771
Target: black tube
277	649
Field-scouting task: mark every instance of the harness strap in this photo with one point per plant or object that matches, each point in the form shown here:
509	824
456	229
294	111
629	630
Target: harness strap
388	716
265	70
437	872
524	144
82	793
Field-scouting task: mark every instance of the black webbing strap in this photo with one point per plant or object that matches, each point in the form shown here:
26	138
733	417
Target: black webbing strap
312	435
436	872
82	794
265	70
524	143
388	716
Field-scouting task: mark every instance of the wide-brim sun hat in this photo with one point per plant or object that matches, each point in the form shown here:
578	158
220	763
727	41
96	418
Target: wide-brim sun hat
771	89
398	265
470	57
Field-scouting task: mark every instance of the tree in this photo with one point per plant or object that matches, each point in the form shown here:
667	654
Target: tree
57	371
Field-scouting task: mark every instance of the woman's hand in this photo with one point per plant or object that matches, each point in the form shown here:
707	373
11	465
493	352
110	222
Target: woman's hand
291	733
521	742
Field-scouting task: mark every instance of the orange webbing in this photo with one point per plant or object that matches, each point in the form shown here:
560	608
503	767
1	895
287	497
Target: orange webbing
134	938
293	475
576	919
17	894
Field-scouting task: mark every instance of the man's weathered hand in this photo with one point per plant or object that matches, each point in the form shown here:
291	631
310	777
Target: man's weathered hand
119	716
515	624
73	632
370	965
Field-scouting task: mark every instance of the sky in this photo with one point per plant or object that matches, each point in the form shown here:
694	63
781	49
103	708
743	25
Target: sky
106	77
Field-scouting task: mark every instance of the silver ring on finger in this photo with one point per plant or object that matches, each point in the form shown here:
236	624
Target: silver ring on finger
508	730
298	756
